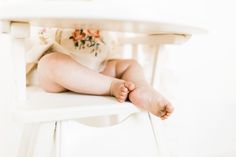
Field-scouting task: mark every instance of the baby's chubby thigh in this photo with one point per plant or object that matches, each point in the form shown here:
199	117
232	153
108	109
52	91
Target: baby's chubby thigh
48	66
110	68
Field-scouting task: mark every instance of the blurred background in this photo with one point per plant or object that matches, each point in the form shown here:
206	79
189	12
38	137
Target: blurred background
198	76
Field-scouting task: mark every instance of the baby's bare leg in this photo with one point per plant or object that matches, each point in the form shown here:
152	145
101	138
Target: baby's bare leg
143	95
59	72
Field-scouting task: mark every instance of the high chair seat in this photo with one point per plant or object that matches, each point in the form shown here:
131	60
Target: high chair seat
41	106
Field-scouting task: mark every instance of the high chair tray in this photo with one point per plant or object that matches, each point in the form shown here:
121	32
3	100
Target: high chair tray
112	16
41	106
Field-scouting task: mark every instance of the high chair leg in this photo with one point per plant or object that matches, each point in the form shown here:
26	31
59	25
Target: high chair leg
154	77
40	140
28	139
57	140
19	32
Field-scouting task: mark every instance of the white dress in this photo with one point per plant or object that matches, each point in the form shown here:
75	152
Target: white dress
91	48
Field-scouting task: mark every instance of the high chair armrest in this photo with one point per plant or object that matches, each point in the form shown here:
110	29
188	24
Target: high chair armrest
41	106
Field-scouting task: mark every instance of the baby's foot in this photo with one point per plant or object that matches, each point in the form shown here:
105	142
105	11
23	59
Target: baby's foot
130	86
120	89
149	99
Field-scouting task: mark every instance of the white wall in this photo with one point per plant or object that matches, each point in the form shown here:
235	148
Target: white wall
202	87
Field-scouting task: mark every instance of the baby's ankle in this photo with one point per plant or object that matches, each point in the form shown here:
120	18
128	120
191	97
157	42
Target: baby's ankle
113	86
119	90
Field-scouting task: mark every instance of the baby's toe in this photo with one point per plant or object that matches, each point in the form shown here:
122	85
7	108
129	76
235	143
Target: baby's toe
162	113
124	89
168	114
169	109
124	93
123	96
130	86
164	117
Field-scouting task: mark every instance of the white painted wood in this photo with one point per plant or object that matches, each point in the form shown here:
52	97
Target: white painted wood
28	140
44	140
41	106
19	68
134	50
5	26
104	121
155	66
158	127
37	140
57	140
155	132
106	16
19	32
155	39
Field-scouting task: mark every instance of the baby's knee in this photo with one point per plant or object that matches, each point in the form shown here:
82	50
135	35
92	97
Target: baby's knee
130	62
47	66
46	69
50	62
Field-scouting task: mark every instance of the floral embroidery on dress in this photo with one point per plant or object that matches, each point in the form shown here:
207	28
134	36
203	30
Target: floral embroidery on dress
42	36
86	38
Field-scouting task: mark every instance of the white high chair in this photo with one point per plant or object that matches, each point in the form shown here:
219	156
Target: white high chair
55	123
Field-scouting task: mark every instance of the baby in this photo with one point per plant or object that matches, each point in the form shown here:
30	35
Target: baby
80	60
